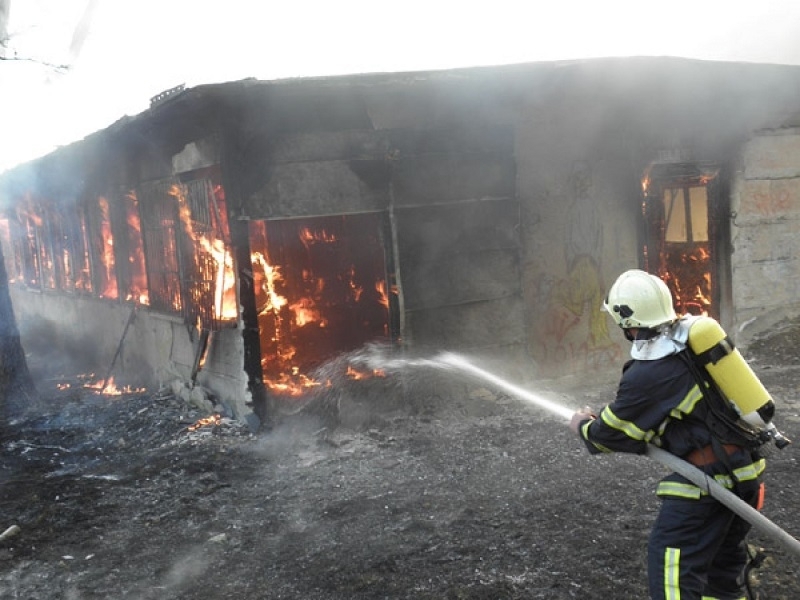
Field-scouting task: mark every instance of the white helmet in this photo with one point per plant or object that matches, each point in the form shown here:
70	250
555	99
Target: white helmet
639	299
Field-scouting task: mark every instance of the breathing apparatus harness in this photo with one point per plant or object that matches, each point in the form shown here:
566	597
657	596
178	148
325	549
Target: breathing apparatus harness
700	343
722	420
723	370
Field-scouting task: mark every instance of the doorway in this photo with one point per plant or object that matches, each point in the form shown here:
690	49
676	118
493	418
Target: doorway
682	206
323	287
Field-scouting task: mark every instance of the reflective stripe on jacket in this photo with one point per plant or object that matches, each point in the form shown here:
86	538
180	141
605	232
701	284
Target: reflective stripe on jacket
659	402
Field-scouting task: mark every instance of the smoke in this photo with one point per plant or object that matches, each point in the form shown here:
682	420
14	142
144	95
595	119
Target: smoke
5	8
186	570
82	30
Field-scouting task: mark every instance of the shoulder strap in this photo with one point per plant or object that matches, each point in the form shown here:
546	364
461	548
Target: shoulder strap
714	354
721	418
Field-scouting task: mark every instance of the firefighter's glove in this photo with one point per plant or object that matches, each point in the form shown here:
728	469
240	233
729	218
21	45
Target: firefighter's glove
580	416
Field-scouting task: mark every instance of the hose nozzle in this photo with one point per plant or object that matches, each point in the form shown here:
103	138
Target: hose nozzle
781	441
771	433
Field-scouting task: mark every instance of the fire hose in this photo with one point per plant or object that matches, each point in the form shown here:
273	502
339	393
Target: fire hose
680	466
725	496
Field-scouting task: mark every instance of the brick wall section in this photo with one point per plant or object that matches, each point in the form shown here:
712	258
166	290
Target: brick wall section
766	233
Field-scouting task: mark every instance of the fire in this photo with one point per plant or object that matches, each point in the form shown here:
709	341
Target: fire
225	306
307	236
305	313
645	184
208	233
678	209
380	287
292	384
265	281
289	381
137	290
214	420
691	286
321	289
352	373
108	273
109	388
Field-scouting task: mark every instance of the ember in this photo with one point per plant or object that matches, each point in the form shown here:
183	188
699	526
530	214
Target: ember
214	420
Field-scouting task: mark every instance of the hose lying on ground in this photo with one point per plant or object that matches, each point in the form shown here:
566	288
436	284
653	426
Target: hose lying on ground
728	498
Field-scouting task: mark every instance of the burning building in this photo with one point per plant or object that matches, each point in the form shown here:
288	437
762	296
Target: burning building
243	234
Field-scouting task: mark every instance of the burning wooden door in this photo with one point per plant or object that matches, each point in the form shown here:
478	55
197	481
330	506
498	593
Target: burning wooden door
321	287
680	206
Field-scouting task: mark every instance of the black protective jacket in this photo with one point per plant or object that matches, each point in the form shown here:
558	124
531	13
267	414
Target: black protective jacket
660	402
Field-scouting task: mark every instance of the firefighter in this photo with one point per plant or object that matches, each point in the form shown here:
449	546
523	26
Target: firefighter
697	548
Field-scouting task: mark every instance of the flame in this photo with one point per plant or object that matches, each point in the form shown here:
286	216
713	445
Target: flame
291	384
645	184
109	283
352	373
109	388
380	287
308	237
137	290
214	420
265	281
688	276
84	280
305	313
225	306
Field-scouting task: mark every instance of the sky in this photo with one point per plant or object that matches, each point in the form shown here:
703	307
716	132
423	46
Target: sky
118	54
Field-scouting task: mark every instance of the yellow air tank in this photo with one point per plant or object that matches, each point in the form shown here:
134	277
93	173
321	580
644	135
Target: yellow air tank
726	366
734	377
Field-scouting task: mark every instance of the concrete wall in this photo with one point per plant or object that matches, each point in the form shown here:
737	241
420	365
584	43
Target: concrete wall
766	232
76	335
579	230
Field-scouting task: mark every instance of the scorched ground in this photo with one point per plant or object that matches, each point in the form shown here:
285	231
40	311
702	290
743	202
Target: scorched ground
457	492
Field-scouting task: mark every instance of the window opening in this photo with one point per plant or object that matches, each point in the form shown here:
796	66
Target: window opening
102	237
159	222
29	226
136	276
83	273
679	247
190	268
44	237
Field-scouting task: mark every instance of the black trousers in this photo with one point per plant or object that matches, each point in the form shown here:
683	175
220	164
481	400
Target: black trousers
697	548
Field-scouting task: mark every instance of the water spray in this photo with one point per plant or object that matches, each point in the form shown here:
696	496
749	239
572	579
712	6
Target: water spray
687	470
459	362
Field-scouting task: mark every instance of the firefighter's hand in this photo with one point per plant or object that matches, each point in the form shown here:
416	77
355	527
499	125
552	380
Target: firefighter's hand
579	417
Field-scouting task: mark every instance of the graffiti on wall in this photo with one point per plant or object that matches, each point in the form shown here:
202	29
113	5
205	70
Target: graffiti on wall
576	330
769	203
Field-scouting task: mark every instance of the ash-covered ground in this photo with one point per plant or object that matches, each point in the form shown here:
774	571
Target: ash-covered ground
424	484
